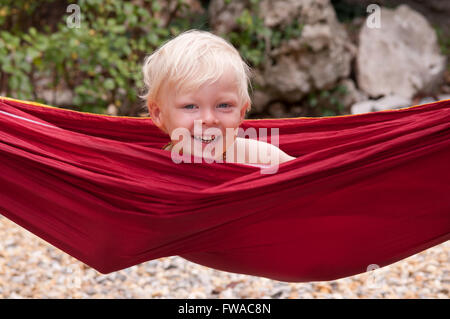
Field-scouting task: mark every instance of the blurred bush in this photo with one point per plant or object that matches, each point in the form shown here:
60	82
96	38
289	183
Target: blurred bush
254	39
42	57
99	62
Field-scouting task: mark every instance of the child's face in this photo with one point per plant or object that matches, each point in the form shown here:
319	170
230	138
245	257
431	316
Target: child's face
217	105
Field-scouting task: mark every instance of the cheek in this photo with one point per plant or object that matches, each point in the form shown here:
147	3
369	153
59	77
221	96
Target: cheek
231	120
177	121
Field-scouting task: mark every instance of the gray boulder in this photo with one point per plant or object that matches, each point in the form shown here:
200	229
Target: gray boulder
402	57
317	59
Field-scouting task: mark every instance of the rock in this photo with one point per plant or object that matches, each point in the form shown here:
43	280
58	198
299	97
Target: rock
277	13
277	110
112	110
426	100
445	89
391	102
315	60
223	16
362	107
400	58
385	103
260	99
227	294
286	81
62	97
297	111
351	95
436	11
443	97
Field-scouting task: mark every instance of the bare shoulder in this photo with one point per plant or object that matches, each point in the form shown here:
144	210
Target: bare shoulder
261	152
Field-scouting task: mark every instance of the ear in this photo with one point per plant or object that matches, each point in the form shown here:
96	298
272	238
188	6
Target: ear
154	111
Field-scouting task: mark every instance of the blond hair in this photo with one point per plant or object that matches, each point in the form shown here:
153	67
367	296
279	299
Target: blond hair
190	60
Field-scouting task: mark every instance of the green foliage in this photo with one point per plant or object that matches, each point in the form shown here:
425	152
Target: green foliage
444	44
100	62
254	39
327	102
444	41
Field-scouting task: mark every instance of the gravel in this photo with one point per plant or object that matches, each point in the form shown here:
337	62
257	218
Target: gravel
32	268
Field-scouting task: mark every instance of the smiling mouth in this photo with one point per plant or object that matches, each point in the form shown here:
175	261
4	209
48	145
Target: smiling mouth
205	139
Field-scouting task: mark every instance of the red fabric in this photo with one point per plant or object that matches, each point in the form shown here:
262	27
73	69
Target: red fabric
365	189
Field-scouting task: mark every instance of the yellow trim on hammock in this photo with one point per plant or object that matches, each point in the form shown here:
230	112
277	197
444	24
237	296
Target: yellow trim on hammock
54	107
148	117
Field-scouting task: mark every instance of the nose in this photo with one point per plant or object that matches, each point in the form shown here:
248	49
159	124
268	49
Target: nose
208	117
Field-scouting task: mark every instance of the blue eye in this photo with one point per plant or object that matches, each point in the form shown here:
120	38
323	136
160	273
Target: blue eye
189	107
224	105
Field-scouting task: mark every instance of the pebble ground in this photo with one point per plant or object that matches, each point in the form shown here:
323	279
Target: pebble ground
32	268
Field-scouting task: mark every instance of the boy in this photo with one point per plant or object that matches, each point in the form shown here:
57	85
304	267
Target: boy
197	92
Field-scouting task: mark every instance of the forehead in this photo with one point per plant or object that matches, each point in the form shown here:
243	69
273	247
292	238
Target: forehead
225	85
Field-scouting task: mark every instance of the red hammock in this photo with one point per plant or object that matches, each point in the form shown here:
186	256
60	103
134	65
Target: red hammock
365	189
